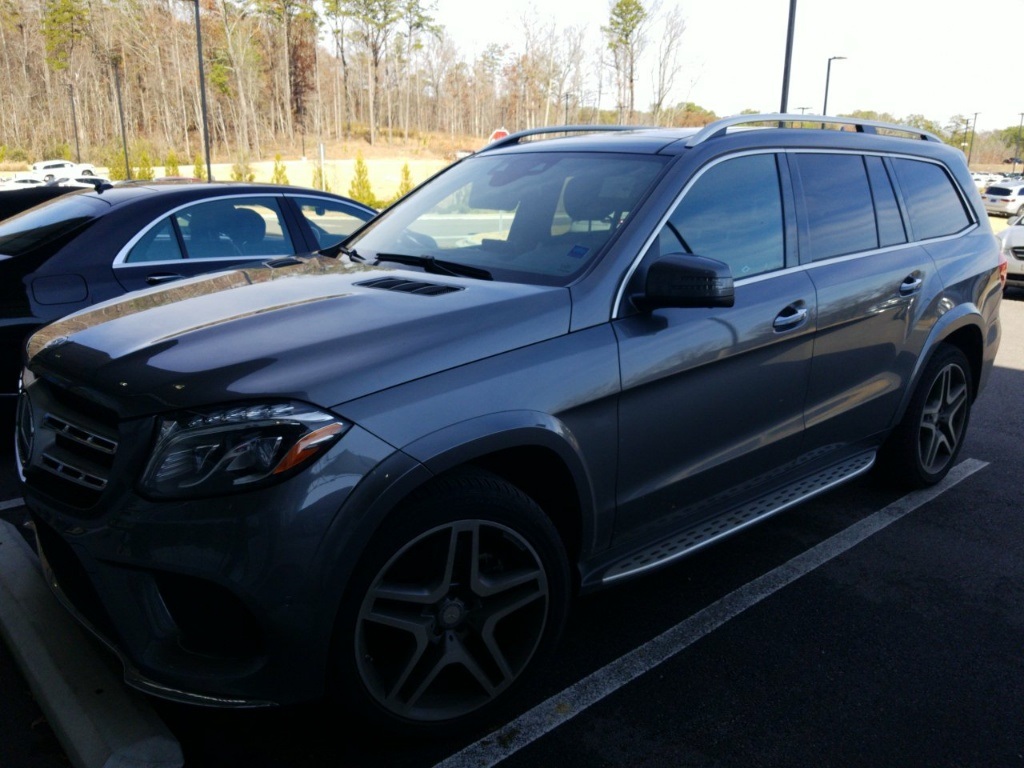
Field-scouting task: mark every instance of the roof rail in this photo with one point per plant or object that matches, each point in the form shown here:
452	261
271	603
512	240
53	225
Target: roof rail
719	127
516	138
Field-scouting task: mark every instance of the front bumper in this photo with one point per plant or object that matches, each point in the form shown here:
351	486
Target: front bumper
226	601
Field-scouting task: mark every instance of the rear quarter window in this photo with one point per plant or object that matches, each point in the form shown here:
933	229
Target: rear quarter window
934	204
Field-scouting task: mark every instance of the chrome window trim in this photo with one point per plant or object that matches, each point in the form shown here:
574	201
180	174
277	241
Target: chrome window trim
620	294
119	259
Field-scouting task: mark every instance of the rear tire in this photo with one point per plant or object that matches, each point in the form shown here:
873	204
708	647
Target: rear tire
462	591
923	448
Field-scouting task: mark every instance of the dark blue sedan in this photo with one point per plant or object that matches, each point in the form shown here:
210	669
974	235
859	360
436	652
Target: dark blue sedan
87	247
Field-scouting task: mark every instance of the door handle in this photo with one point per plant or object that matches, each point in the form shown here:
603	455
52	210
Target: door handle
791	317
162	277
911	284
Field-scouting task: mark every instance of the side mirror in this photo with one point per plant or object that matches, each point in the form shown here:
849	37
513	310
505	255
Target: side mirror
686	281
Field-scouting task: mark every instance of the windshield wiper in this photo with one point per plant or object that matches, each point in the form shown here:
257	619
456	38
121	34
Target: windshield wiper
435	265
333	250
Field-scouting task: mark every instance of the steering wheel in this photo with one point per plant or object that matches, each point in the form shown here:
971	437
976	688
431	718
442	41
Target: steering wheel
418	240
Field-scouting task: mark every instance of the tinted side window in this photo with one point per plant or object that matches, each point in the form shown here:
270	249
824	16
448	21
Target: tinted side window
890	223
159	244
234	228
934	206
837	198
733	213
330	220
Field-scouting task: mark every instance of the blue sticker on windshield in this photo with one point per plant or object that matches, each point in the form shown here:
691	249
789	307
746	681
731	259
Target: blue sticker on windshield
579	251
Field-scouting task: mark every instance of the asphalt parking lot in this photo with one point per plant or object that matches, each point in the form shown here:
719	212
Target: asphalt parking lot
864	628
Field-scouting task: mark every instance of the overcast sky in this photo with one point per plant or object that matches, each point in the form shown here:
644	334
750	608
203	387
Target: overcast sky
904	57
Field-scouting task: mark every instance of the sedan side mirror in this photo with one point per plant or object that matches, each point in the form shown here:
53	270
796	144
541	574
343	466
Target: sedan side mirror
683	280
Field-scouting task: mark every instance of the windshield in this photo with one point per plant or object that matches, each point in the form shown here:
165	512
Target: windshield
539	218
45	223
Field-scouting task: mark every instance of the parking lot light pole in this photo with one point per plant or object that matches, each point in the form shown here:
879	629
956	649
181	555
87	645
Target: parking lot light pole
202	91
828	76
74	122
790	29
115	62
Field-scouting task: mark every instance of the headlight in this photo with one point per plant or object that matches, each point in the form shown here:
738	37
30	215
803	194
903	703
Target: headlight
202	453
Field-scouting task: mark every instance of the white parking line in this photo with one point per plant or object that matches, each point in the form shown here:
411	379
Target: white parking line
11	504
564	706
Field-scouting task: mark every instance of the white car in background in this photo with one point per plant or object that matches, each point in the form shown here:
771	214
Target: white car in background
982	180
1004	199
21	181
88	181
50	169
1012	239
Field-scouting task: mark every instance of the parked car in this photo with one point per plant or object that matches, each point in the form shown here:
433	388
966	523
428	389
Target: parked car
22	181
84	247
557	365
50	169
17	200
984	180
1004	199
79	182
1012	240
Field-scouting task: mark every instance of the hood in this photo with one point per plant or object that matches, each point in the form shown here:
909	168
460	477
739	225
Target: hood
318	330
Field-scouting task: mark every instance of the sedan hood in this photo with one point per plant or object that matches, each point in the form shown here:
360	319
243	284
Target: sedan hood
317	329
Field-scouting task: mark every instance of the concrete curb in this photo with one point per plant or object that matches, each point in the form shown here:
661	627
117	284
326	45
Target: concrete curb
99	722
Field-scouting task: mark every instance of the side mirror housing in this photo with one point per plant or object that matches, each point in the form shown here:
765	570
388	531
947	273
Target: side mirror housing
686	281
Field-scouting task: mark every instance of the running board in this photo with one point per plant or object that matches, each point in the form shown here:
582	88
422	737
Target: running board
707	531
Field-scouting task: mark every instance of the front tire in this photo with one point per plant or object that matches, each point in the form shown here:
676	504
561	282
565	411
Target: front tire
924	447
461	592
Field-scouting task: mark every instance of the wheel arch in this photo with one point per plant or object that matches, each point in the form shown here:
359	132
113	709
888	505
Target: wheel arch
961	328
533	451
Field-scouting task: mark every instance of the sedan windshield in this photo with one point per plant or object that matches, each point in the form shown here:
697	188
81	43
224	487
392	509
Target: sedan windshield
45	223
538	217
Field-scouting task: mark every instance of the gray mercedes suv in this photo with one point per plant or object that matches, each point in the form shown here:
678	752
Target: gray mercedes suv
385	470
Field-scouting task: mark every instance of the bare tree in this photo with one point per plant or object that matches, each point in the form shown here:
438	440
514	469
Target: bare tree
667	65
375	23
626	36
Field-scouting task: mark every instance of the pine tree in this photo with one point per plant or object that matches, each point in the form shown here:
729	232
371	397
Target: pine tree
279	176
145	170
171	164
360	188
242	171
320	179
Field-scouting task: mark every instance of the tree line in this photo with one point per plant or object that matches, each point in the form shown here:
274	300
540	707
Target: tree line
294	73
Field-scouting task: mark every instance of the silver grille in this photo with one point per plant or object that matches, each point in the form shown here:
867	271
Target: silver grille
77	454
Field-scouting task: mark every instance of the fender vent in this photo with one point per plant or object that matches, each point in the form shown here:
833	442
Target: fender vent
409	286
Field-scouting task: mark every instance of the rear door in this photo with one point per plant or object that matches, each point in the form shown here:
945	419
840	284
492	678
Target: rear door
877	287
